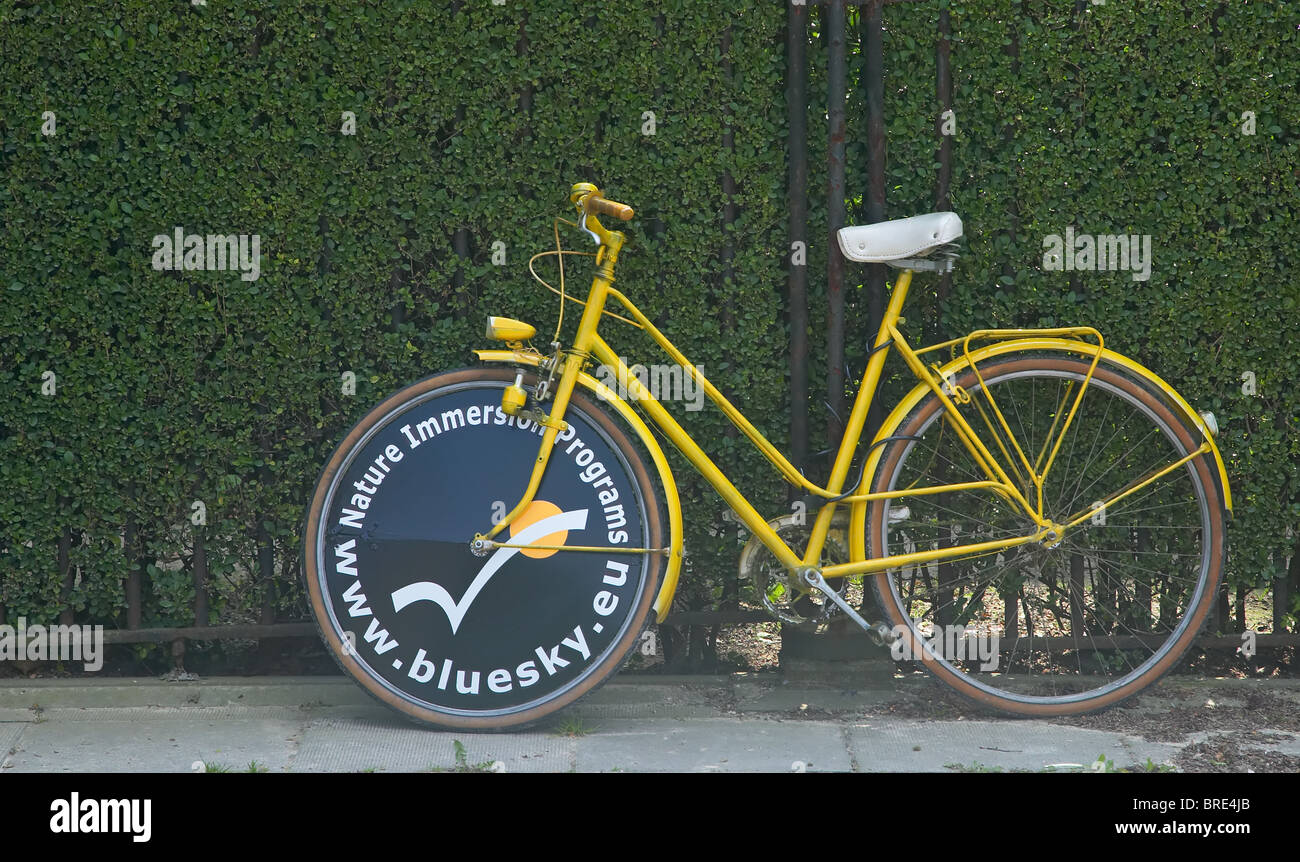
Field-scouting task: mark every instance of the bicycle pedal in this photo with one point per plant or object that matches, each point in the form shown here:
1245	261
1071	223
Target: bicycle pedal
881	635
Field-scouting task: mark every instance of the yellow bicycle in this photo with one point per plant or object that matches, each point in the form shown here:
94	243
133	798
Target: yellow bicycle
1043	519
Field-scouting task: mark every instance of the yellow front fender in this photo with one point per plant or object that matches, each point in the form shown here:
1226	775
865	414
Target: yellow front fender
664	601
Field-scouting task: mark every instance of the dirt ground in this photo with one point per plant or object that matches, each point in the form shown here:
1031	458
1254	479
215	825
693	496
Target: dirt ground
1208	704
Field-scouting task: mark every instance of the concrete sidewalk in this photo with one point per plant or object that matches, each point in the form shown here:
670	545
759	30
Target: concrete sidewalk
741	723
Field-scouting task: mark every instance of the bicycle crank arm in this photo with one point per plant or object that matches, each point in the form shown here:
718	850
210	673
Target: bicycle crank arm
879	633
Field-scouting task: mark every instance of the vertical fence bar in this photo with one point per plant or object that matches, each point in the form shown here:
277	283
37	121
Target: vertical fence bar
265	544
655	227
702	640
796	107
670	637
266	570
942	192
1222	613
132	584
460	245
525	132
729	209
397	313
134	589
1284	588
730	212
872	28
133	550
1009	137
835	210
521	50
459	241
66	577
266	576
200	563
871	44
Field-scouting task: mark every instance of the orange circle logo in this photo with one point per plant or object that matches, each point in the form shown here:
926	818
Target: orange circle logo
536	511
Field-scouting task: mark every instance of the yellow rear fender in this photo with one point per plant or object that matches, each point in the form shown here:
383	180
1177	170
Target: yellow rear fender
961	363
668	587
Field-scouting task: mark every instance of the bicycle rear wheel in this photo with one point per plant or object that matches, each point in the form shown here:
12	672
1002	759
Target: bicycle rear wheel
1036	630
460	641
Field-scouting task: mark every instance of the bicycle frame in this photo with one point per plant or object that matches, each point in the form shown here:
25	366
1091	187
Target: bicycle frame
999	471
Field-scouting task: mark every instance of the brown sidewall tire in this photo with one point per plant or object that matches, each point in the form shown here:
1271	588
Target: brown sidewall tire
655	535
1205	472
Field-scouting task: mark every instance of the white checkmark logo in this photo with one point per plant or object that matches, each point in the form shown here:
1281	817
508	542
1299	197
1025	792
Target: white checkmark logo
428	591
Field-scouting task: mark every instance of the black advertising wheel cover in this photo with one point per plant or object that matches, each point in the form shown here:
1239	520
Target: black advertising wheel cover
431	628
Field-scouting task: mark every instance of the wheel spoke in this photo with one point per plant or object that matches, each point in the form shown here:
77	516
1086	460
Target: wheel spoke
1094	617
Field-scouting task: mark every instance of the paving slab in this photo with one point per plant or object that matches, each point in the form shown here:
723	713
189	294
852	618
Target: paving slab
714	745
146	744
342	745
894	745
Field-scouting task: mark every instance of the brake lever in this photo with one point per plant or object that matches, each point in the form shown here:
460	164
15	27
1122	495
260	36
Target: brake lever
582	223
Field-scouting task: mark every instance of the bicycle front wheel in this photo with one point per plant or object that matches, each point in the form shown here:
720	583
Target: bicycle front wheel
1040	630
502	640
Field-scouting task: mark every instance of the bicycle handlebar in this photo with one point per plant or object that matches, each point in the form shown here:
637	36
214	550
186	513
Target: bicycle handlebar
601	206
588	197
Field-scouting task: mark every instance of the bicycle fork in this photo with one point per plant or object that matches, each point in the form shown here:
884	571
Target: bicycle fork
554	421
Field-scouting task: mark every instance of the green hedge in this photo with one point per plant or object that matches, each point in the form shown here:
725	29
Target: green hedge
177	387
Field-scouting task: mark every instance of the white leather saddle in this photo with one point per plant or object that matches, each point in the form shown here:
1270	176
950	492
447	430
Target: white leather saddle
899	239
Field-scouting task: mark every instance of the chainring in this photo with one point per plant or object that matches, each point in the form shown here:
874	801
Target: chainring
780	592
